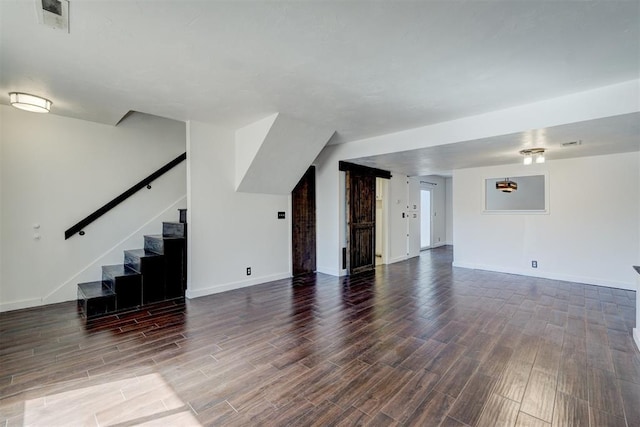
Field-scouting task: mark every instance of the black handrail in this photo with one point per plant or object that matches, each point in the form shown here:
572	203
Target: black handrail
121	198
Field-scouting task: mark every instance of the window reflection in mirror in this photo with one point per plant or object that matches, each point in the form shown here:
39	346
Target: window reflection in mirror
530	195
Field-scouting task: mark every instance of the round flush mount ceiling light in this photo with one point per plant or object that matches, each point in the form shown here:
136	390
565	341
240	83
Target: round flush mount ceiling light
27	102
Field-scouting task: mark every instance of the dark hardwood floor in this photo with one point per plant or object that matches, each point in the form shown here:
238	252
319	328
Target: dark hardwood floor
413	343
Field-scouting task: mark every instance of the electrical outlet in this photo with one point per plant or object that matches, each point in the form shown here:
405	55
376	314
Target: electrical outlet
534	264
248	271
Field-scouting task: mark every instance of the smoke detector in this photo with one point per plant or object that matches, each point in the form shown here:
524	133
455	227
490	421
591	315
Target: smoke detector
53	13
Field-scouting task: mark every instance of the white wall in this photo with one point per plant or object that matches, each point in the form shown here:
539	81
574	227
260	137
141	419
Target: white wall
597	103
230	231
382	227
413	204
57	170
413	217
636	330
330	196
590	234
448	197
285	138
2	126
398	221
248	140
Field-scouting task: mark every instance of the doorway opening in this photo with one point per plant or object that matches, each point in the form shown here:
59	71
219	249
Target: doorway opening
381	221
303	224
425	219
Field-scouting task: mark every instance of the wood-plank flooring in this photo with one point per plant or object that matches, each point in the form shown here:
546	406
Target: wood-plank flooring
413	343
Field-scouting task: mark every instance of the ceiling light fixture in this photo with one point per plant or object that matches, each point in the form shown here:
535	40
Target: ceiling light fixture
533	153
27	102
507	186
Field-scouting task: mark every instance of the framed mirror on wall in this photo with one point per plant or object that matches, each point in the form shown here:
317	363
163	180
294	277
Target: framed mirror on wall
527	194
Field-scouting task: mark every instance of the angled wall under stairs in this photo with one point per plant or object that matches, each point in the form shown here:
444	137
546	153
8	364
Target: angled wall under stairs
156	272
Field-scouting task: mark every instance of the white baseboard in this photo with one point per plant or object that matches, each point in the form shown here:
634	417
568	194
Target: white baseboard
235	285
636	336
18	305
549	275
398	259
340	272
328	270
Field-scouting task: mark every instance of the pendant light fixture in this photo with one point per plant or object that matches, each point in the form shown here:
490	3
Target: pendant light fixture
506	186
27	102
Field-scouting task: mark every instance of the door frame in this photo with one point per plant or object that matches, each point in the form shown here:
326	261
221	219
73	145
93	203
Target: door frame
382	221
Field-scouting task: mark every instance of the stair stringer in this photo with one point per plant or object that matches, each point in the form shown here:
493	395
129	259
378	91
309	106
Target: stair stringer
67	291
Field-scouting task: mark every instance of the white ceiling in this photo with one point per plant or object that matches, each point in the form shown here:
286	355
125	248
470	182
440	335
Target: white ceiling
361	68
618	134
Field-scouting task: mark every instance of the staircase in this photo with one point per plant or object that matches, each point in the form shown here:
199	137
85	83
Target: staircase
152	274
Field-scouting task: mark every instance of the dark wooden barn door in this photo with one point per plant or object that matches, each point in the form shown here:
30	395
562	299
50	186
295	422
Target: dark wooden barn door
361	215
361	222
303	206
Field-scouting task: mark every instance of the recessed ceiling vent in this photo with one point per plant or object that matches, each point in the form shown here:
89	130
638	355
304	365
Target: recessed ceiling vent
572	143
53	13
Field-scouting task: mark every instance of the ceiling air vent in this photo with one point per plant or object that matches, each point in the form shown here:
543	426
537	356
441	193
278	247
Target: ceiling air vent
53	13
572	143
